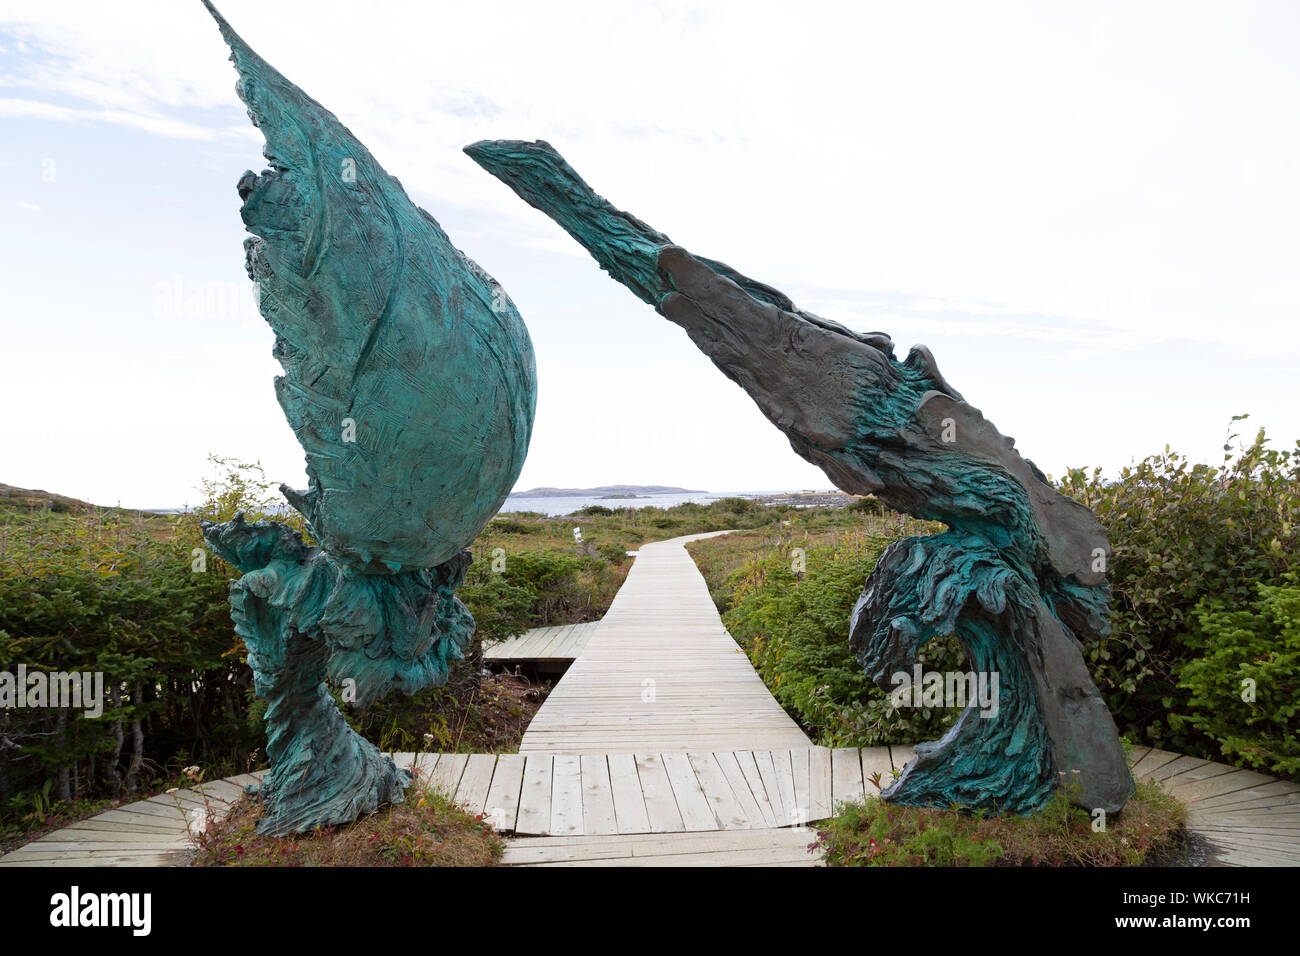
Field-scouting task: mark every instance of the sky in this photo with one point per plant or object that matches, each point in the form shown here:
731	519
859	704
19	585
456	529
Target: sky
1087	211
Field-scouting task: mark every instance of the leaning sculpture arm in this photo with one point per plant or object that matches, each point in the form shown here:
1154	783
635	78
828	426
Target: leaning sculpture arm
1018	577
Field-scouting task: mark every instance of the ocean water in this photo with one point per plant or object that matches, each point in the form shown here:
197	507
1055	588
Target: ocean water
566	506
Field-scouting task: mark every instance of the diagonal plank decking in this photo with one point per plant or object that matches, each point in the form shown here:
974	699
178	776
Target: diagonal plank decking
595	795
661	674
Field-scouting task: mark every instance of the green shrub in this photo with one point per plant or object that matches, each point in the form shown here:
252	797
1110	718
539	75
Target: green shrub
613	553
1181	533
871	506
511	526
536	588
100	589
734	505
795	627
1245	680
873	833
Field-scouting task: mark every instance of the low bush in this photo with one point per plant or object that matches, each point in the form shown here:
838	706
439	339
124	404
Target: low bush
426	829
1151	830
791	614
1244	680
1203	575
1182	533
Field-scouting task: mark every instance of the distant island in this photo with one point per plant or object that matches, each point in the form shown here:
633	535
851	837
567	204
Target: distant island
606	491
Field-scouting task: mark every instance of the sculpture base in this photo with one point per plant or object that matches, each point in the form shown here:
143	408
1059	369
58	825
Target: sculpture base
323	773
306	618
1049	720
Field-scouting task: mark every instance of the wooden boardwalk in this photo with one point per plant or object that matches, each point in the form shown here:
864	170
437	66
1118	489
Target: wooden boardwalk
1250	819
153	832
661	675
788	847
570	817
661	747
543	645
595	795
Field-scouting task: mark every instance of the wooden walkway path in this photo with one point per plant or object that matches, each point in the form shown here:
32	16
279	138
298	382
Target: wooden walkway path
1249	819
152	832
661	747
661	675
623	793
543	645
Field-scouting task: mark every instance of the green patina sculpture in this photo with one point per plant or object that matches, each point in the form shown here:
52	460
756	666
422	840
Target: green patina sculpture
410	382
1018	577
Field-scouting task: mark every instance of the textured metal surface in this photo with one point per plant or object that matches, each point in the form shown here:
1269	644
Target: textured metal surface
1019	577
410	382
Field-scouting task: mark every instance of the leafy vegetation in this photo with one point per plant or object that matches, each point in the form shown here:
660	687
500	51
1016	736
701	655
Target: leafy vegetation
120	593
136	597
1203	571
1150	831
426	829
1183	533
786	599
1244	680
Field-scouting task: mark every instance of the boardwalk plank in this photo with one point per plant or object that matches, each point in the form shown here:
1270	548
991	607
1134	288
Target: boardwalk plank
691	801
802	802
598	813
502	805
728	813
767	772
535	796
472	792
819	783
740	789
566	795
785	784
629	799
875	760
447	772
749	768
660	803
846	775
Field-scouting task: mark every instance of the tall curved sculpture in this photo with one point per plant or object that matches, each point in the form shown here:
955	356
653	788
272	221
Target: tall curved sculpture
410	382
1018	577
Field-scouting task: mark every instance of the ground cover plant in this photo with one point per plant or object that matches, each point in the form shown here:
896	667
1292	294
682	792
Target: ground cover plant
1150	831
426	829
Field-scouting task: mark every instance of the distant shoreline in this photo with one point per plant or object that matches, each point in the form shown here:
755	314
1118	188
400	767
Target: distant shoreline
607	491
558	505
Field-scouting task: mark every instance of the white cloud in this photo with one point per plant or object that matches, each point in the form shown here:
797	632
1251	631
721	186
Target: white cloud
1113	182
157	125
1034	159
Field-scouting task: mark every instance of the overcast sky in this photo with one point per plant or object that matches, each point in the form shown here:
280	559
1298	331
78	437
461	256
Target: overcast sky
1088	211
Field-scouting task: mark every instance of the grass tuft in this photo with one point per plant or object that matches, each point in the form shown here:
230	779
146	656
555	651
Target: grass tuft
426	829
1151	831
